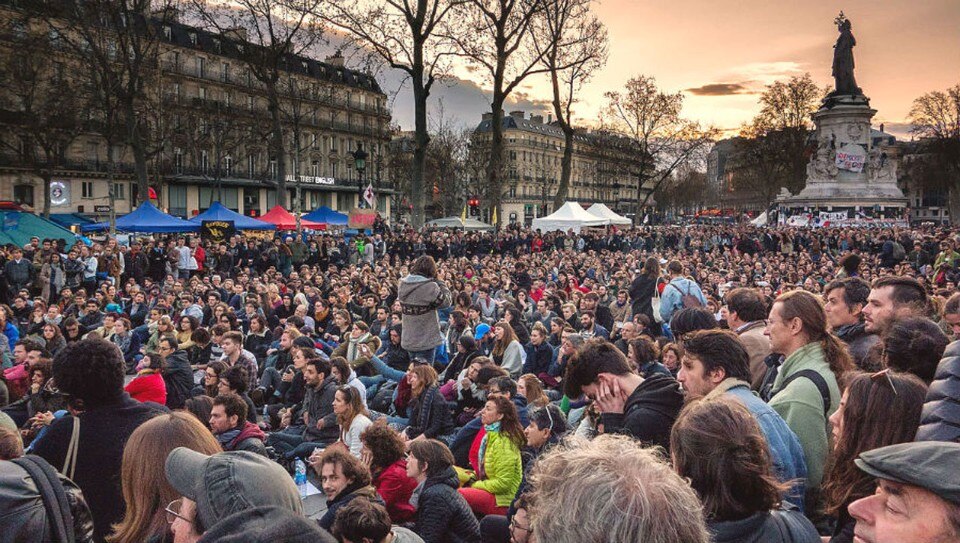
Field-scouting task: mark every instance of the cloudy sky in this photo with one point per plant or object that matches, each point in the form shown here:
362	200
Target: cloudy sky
721	53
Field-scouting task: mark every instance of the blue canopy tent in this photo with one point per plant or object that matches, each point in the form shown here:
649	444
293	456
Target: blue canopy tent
146	218
218	212
325	215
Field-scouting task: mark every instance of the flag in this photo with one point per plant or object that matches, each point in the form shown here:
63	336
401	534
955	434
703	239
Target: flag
463	214
369	196
493	220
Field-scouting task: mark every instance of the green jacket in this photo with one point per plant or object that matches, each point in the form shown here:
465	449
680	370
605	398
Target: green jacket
801	406
503	468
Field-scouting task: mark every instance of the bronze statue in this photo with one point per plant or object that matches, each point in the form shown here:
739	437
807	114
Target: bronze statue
844	81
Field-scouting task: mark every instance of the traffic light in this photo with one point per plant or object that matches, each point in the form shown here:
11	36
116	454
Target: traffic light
474	203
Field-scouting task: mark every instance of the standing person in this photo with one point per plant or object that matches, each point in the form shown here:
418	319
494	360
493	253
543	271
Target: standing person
746	315
421	294
892	298
805	390
145	487
679	293
18	271
844	301
717	445
443	515
91	372
861	424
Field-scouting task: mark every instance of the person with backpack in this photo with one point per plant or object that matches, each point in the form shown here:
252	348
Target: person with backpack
38	503
680	292
805	390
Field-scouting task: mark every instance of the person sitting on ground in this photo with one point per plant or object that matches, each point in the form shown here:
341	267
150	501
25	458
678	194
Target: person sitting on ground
507	351
200	407
643	354
629	404
148	385
346	376
363	521
917	497
91	371
352	417
228	422
234	380
343	479
914	345
145	487
207	511
384	454
531	388
863	423
497	464
691	319
573	484
430	417
177	373
442	513
717	445
349	349
312	423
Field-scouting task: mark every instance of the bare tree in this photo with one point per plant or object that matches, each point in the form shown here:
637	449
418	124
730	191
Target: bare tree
40	120
936	120
496	37
118	41
572	44
269	34
663	138
405	36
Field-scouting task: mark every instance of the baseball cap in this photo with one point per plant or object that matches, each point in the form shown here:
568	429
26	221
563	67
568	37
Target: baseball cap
482	330
229	482
931	465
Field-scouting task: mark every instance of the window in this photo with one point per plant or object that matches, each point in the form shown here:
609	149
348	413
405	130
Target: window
315	168
225	72
333	168
251	166
273	168
314	142
86	189
23	194
228	166
119	191
178	160
167	32
201	66
193	38
177	200
251	199
204	161
202	93
250	103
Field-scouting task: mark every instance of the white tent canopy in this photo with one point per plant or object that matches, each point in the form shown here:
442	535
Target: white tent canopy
456	222
570	216
761	220
604	212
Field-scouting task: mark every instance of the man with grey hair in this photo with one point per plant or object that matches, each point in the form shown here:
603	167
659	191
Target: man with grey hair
612	489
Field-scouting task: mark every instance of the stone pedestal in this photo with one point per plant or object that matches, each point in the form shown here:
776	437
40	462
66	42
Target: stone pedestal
846	171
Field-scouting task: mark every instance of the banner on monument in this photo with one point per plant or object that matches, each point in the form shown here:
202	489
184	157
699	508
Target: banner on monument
833	216
361	219
851	157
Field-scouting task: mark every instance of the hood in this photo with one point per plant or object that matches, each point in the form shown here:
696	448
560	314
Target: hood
266	525
178	356
657	390
446	477
414	278
249	430
747	530
519	401
851	332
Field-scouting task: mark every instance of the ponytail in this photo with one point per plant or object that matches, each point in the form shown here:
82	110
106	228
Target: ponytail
837	355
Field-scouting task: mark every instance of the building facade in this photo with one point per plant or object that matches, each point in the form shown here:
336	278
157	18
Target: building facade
211	124
604	169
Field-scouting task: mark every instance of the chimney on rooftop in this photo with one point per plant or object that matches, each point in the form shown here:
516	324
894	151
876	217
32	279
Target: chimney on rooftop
516	114
236	33
488	116
549	118
335	59
536	119
881	127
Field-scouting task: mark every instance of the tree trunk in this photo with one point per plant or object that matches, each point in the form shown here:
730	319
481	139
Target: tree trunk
45	176
494	164
566	166
421	141
138	146
276	143
953	205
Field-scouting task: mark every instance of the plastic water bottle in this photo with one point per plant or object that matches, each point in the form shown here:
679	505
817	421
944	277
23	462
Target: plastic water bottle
300	477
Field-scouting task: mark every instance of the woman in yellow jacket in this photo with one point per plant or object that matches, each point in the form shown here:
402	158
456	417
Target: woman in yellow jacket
498	465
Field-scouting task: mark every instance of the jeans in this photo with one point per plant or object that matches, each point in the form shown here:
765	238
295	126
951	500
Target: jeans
271	379
428	355
372	384
286	440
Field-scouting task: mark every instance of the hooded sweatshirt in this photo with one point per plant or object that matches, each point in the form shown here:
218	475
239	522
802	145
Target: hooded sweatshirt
649	412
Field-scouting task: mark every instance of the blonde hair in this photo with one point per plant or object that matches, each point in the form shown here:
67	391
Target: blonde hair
146	491
534	390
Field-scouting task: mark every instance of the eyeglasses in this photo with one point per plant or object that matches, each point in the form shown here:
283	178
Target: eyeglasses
517	527
173	512
549	417
879	378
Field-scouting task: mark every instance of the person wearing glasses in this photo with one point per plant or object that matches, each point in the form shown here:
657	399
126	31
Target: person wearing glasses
863	422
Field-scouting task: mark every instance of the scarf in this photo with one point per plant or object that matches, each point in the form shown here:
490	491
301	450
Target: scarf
427	397
352	345
415	496
228	436
482	452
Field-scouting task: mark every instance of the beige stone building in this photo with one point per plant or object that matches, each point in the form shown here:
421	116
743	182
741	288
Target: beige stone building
212	124
604	168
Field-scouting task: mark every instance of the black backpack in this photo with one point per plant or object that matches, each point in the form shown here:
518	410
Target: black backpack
816	379
54	497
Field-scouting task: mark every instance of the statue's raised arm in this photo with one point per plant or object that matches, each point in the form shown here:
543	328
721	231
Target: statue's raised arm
844	81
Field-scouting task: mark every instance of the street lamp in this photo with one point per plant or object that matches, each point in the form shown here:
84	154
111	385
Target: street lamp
360	162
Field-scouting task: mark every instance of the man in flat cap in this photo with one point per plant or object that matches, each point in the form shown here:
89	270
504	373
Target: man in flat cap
918	494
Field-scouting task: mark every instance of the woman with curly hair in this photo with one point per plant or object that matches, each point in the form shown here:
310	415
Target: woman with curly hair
384	453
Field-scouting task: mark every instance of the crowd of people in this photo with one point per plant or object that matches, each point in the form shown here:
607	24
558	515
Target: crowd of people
667	383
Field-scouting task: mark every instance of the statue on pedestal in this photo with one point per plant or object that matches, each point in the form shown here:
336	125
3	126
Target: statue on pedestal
844	81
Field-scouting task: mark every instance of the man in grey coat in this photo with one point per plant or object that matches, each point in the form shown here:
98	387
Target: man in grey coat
421	294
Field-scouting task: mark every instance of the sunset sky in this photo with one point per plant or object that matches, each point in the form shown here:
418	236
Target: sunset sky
721	53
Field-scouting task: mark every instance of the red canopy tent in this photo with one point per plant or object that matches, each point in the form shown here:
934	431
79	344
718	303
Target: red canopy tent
286	221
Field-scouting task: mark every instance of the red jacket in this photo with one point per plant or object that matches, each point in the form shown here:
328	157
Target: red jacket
395	488
148	388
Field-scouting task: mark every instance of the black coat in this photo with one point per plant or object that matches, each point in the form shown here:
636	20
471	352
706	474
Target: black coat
437	422
347	495
103	434
773	527
443	515
641	293
649	413
940	418
178	377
